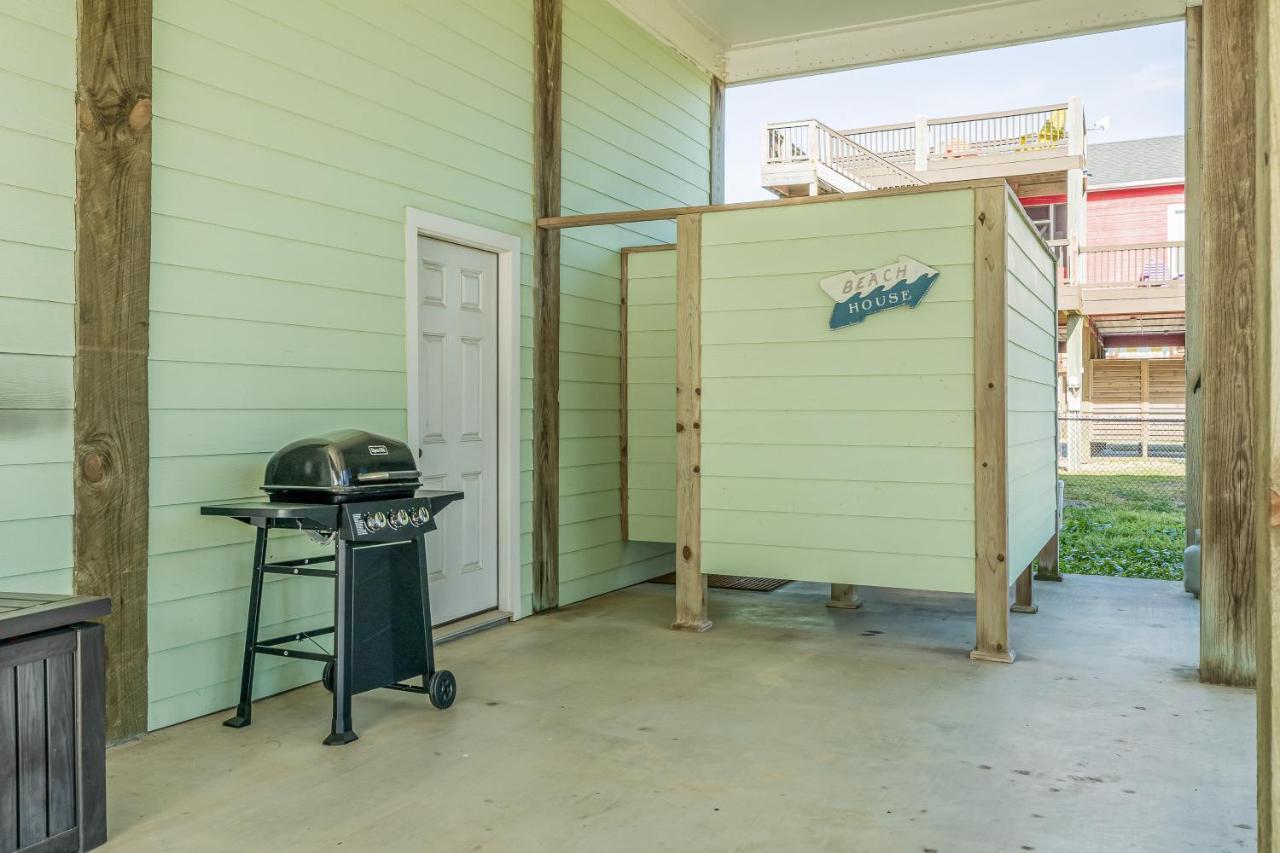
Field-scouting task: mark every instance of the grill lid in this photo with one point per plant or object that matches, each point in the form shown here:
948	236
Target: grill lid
339	466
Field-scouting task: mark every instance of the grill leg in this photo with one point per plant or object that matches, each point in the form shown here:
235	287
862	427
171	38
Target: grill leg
342	608
244	711
426	610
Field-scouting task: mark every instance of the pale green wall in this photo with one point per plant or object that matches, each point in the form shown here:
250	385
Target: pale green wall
847	455
37	293
289	138
651	396
1031	361
635	135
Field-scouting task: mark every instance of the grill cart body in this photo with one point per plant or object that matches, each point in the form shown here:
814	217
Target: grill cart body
360	490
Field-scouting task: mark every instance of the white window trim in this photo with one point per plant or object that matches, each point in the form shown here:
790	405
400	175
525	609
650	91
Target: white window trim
421	223
1172	211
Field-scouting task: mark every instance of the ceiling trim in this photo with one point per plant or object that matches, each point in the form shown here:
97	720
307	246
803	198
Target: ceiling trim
675	25
980	26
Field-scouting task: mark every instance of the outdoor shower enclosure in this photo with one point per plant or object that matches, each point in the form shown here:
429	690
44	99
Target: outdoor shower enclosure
852	389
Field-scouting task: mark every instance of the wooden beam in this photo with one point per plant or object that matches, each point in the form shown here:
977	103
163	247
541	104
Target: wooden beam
1232	459
691	583
112	281
548	97
1268	280
991	507
623	360
717	141
1193	340
621	217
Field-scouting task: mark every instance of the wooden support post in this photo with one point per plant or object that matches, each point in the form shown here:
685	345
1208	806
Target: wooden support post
717	141
991	498
1267	520
1194	340
1047	559
1144	404
112	281
844	596
1022	601
547	95
691	583
1234	416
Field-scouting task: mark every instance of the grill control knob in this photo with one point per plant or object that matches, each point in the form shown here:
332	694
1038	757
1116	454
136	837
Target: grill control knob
421	516
399	518
375	521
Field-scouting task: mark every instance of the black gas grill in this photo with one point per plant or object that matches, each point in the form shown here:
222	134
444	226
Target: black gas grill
359	491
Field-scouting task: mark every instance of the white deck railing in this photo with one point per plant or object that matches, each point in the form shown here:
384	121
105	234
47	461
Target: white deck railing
1033	131
815	143
1133	265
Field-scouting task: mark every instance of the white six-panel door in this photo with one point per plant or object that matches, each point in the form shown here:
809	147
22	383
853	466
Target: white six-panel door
458	421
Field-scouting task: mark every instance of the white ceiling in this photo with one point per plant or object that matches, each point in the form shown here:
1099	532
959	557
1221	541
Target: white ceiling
749	40
740	22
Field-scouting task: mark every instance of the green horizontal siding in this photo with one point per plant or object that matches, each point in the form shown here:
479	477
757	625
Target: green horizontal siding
37	293
1032	359
288	140
840	456
651	396
635	136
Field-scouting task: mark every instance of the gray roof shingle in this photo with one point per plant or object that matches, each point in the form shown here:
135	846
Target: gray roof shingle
1137	161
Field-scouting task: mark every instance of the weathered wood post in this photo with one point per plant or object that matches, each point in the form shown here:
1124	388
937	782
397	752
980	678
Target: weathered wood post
1267	517
1194	337
547	94
991	498
1234	416
112	280
691	583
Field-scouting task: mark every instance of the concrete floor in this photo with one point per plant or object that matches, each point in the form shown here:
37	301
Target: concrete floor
787	727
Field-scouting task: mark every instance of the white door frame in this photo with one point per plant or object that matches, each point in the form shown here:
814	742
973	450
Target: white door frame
421	223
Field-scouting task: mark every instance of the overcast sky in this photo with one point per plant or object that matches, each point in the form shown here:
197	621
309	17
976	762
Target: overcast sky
1132	76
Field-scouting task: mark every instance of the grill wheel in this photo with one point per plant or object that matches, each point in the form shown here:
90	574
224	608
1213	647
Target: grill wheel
442	687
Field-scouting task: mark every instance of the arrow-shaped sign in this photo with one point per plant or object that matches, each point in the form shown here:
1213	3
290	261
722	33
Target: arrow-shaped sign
860	294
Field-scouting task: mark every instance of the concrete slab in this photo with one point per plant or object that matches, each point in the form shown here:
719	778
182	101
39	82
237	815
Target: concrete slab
789	726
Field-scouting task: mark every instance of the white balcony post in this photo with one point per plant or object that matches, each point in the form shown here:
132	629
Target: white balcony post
1075	125
922	143
814	156
1076	225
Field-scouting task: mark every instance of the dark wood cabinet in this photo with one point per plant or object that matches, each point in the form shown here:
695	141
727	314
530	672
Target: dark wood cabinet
52	723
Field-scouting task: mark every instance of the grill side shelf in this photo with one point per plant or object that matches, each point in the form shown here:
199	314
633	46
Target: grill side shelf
266	513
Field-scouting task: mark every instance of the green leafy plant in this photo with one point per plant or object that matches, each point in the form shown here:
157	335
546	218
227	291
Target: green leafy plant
1124	525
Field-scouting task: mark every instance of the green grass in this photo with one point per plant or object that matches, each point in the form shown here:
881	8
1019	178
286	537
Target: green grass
1125	525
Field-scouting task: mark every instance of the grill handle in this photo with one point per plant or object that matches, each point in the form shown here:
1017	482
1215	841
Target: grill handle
382	476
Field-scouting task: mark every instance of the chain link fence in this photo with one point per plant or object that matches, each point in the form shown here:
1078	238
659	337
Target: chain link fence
1124	495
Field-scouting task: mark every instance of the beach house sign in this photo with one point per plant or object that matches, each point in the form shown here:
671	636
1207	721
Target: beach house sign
858	295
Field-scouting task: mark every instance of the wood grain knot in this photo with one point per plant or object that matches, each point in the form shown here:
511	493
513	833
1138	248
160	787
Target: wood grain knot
697	469
94	466
679	427
85	121
140	115
999	558
688	552
697	425
698	391
982	218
